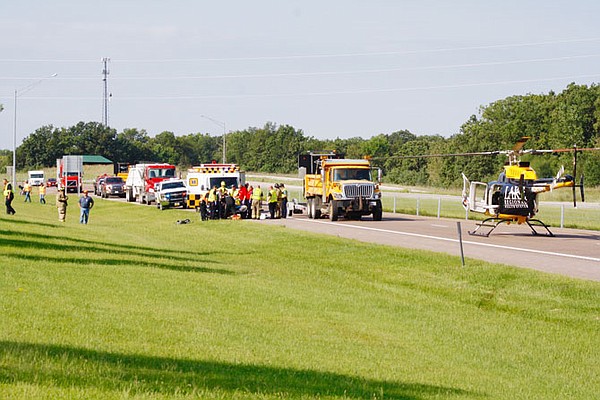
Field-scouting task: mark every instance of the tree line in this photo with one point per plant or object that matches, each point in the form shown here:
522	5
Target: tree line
552	120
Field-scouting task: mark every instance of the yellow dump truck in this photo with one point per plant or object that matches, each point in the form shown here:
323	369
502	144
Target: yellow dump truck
336	186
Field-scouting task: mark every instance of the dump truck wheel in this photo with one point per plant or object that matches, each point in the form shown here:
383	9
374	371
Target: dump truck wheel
317	210
378	212
309	208
333	210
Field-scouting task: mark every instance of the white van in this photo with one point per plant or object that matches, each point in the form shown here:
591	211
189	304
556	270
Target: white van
36	178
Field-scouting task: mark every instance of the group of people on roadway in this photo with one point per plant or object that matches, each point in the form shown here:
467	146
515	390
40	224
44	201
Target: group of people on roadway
244	202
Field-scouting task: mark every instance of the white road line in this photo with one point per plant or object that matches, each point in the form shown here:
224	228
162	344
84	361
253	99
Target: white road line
456	241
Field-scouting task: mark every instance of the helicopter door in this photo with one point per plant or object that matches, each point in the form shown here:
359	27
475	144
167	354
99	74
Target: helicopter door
475	195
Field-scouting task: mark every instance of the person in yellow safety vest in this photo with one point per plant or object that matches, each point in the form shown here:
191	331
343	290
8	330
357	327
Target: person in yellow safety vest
9	195
284	196
272	199
213	202
257	198
222	194
27	192
235	193
42	194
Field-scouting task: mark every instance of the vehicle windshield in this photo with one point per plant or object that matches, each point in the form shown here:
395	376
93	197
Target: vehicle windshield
36	176
114	180
229	182
162	173
172	185
348	174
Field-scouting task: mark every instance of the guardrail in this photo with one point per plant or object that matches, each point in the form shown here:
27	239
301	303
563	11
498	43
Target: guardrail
555	214
563	215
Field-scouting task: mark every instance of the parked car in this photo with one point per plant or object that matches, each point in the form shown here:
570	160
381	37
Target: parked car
51	182
112	186
171	193
98	184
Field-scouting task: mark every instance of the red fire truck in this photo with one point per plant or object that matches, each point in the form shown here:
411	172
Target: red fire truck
142	178
69	171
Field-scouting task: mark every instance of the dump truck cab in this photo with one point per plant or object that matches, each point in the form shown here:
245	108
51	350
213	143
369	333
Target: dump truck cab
342	187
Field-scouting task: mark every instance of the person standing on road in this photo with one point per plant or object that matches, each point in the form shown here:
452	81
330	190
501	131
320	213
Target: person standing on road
9	195
272	200
242	195
213	202
284	200
61	204
85	204
257	198
278	207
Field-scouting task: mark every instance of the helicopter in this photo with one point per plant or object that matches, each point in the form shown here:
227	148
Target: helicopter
513	197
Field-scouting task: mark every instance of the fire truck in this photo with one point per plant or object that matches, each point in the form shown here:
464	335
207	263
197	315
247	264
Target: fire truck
204	176
69	171
336	186
141	179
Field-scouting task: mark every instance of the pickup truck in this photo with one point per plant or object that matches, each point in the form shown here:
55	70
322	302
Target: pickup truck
171	193
112	186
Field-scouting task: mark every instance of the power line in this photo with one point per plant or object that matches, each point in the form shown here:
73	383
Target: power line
340	72
330	55
327	93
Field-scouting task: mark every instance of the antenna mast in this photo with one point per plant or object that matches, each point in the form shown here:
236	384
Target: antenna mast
105	73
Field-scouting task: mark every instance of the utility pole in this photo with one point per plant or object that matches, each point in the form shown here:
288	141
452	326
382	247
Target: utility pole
222	125
105	73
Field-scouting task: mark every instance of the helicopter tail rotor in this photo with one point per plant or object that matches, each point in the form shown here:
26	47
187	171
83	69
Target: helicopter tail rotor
575	175
581	191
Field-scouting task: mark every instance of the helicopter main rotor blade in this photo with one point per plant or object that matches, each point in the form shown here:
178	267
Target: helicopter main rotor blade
478	153
520	143
515	152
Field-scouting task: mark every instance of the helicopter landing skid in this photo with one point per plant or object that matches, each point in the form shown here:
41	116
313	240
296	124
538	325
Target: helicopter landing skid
492	223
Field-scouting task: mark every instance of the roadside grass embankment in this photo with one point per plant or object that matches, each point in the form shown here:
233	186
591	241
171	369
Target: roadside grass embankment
135	306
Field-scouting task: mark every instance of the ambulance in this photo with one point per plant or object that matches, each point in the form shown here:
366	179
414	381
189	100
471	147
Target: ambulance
201	178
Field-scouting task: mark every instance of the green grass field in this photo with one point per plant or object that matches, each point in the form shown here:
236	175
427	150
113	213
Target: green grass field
134	306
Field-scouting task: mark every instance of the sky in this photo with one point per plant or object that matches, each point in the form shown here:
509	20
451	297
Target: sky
332	68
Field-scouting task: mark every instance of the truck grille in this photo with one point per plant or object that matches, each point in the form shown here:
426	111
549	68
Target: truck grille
177	197
359	190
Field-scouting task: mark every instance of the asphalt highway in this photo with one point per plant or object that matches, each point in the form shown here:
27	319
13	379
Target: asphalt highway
571	252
